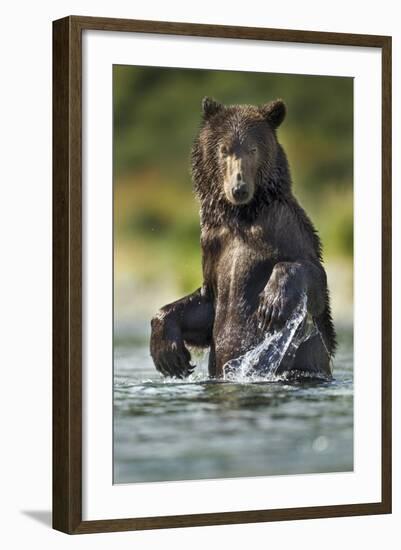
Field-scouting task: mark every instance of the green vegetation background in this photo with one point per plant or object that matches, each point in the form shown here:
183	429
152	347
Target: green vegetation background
156	114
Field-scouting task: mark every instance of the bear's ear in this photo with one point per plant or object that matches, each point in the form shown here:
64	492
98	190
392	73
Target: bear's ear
210	107
274	112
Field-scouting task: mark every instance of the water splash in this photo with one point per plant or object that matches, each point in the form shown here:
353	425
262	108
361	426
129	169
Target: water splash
276	352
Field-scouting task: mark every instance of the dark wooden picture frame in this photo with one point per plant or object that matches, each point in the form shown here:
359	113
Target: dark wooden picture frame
67	274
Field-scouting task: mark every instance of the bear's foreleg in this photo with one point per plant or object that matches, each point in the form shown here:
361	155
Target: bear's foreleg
188	320
284	289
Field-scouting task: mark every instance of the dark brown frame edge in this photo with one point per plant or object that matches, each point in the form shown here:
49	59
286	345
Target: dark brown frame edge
67	275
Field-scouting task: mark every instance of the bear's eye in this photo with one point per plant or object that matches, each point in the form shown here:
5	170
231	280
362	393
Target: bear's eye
223	151
252	150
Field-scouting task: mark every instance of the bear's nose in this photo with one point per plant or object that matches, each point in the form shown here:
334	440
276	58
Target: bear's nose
240	191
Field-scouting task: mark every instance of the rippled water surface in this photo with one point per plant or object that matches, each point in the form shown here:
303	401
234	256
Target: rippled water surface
168	429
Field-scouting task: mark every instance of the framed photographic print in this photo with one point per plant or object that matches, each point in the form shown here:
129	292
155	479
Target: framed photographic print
222	274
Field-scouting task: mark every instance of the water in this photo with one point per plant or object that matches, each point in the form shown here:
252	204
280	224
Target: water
167	429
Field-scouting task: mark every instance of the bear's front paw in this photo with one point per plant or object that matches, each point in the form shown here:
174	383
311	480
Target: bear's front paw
171	358
277	302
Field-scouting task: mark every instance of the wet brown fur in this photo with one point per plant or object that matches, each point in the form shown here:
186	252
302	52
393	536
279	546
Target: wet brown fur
259	253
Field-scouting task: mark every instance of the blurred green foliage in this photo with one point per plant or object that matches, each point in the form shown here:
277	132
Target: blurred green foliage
156	116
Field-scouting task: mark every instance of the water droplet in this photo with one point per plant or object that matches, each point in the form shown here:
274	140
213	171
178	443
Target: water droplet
320	444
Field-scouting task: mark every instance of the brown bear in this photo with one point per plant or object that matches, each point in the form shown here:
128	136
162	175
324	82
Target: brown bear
260	251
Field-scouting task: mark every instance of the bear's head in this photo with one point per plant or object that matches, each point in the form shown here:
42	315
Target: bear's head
236	151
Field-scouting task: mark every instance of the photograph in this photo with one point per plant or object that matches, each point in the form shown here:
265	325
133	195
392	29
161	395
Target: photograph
233	269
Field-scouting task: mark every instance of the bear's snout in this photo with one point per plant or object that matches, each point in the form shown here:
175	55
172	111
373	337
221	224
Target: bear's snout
239	176
240	191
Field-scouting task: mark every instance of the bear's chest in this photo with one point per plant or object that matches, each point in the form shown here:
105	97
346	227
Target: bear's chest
238	266
243	267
